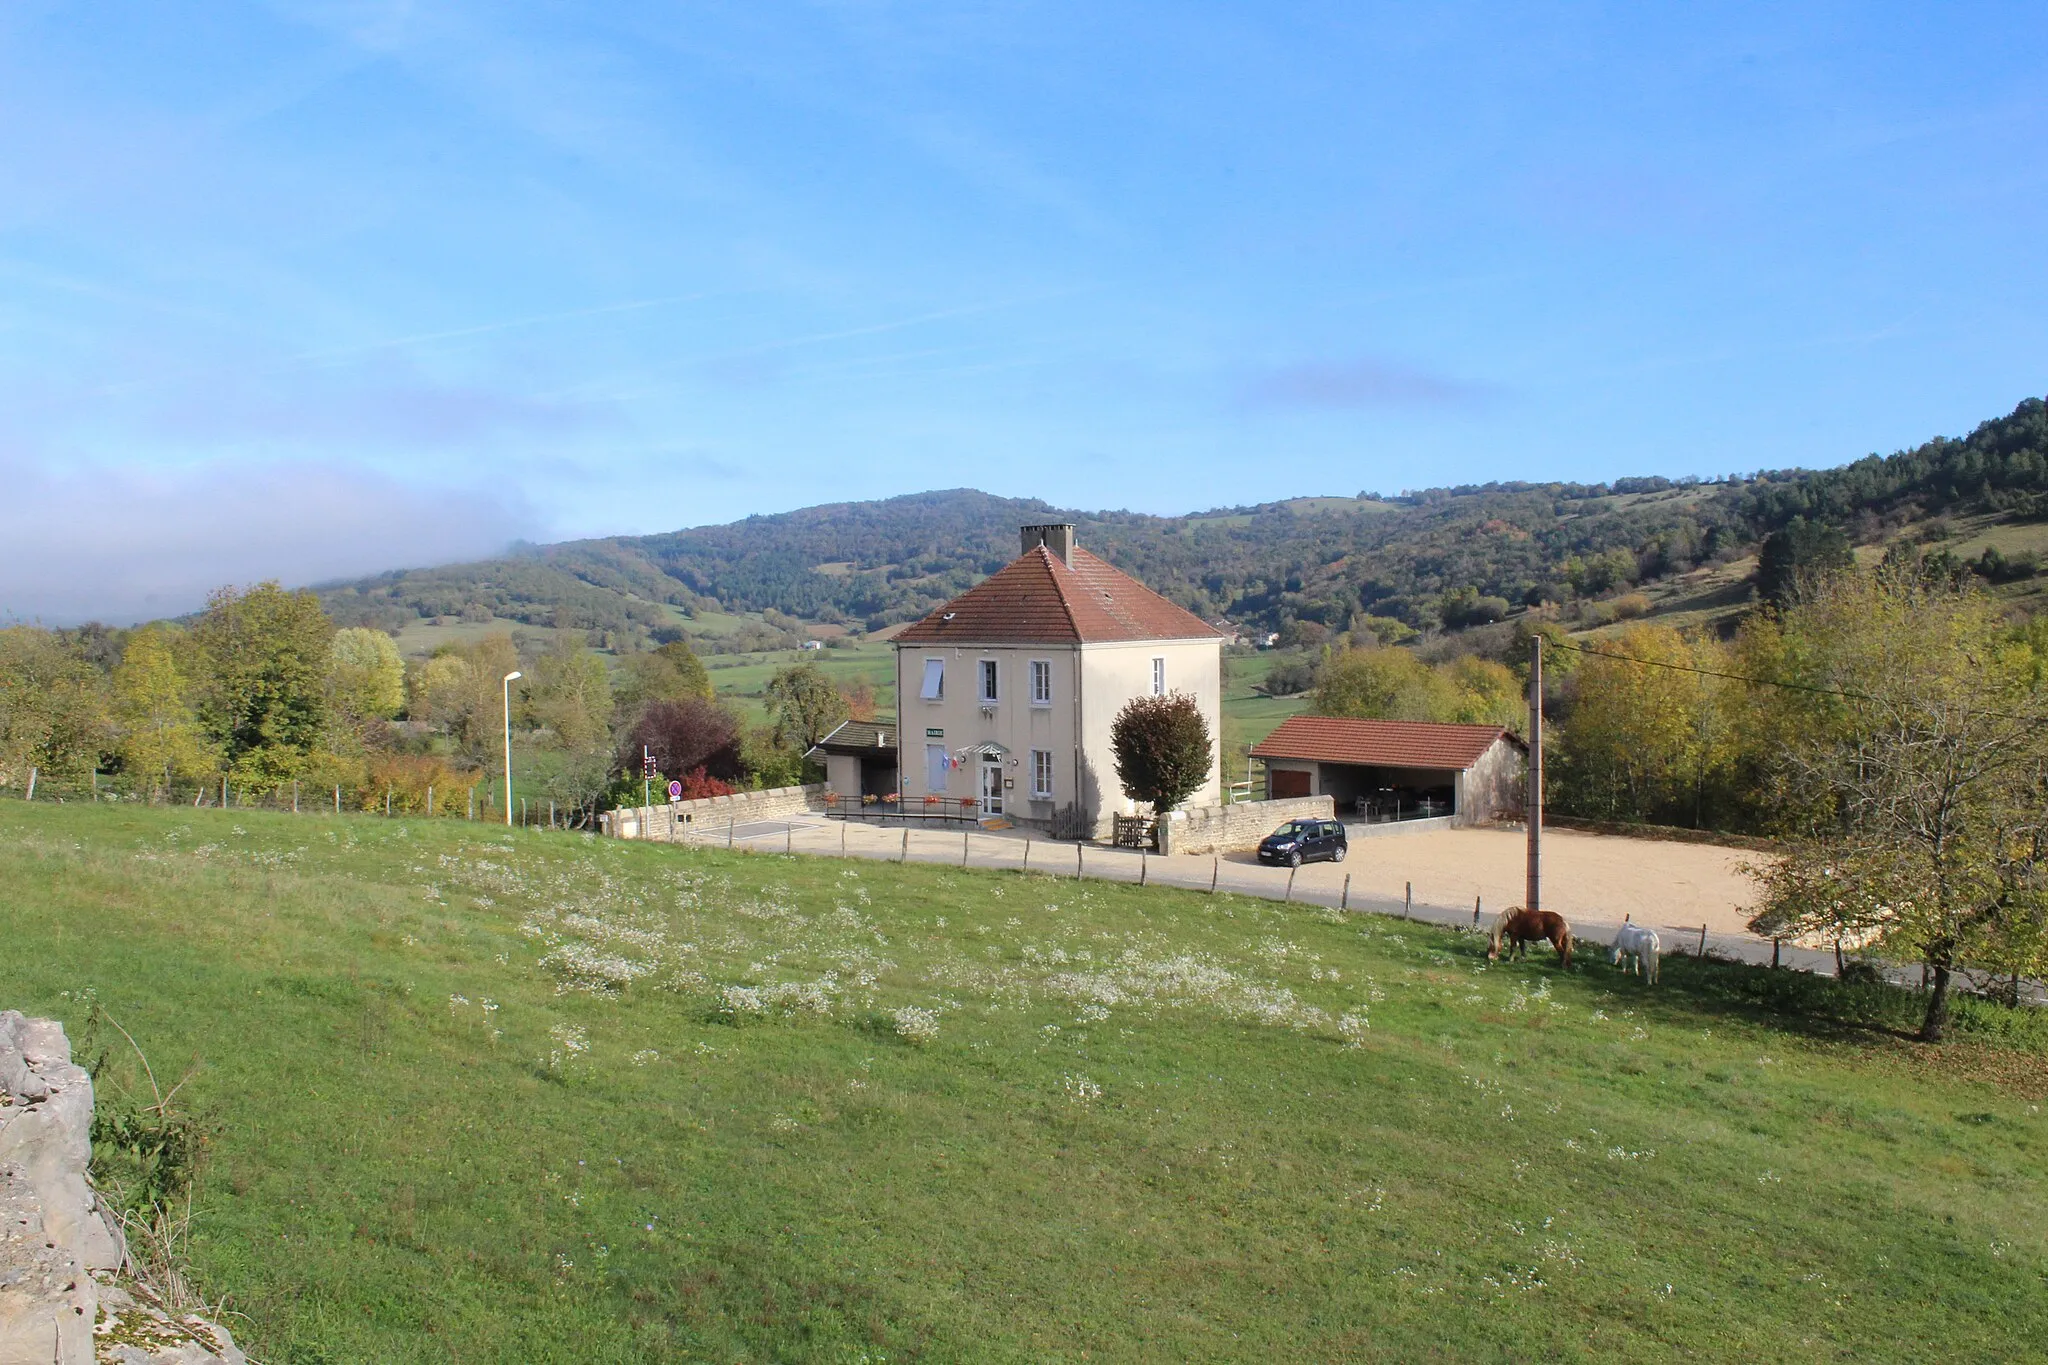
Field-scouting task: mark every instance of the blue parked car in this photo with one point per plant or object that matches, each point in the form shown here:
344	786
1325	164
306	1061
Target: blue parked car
1304	841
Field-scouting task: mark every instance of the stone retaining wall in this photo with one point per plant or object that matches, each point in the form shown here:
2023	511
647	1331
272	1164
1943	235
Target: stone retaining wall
701	818
1232	828
59	1252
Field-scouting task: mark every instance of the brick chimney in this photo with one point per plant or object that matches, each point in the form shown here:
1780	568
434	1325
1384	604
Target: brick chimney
1056	536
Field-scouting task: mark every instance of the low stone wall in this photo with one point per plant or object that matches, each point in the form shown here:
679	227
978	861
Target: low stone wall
1233	828
59	1253
701	818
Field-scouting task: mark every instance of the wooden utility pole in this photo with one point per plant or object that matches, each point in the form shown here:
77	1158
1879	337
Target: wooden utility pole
1533	896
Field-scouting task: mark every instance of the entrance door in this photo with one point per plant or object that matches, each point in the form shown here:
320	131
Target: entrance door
991	789
1285	782
935	769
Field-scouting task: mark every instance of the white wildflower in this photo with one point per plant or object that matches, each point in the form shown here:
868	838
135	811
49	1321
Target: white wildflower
915	1025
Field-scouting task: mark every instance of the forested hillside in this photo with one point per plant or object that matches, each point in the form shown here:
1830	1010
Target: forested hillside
1443	557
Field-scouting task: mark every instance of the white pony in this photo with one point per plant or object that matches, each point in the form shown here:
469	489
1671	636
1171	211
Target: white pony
1640	946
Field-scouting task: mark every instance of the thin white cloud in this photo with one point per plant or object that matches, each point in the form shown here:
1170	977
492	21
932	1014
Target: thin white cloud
1363	383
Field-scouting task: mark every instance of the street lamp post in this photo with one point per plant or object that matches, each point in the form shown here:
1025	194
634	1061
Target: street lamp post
509	679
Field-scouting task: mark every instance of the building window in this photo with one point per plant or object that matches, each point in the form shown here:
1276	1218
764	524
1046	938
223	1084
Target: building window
1041	774
936	769
988	682
934	680
1041	682
1159	677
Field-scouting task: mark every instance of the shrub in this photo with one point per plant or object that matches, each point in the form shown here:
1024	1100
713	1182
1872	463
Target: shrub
408	777
698	784
1289	679
1629	606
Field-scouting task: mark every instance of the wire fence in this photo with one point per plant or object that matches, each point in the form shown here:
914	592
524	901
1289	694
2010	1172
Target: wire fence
481	800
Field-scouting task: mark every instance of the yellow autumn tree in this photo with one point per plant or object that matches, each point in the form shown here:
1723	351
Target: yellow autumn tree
160	737
365	679
1646	736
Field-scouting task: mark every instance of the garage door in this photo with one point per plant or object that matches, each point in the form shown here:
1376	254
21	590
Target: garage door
1287	782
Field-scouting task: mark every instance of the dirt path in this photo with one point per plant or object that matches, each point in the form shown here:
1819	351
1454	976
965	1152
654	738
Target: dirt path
1589	878
1592	877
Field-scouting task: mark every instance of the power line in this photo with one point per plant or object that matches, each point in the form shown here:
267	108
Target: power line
1757	682
1714	673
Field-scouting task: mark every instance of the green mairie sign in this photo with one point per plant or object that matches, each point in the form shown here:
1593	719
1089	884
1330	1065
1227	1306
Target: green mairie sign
934	732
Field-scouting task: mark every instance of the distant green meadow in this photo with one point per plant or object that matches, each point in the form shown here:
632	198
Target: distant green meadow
486	1096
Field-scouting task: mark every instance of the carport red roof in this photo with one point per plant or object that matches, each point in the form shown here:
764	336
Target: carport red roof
1382	743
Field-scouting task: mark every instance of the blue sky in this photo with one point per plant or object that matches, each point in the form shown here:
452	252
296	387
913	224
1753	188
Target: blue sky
311	289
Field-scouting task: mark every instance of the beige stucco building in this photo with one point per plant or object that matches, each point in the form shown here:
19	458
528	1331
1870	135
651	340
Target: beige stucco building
1005	695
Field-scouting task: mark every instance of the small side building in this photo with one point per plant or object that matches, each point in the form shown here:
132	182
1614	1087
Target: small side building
1383	770
859	758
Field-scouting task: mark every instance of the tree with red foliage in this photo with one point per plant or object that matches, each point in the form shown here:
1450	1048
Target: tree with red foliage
687	736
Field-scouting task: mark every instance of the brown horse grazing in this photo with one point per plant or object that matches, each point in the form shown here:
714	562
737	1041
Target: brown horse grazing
1520	927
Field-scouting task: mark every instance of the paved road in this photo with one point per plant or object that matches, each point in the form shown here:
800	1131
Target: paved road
1324	884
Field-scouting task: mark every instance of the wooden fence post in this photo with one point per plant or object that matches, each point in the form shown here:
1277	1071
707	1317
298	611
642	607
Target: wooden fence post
337	798
1215	867
730	822
842	838
1344	901
32	785
1142	862
387	800
788	831
1290	886
1408	900
1774	953
904	856
1475	912
1027	853
964	836
295	796
1078	850
1703	940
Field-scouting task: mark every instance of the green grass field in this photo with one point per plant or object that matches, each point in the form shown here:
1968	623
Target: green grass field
1248	714
479	1096
741	678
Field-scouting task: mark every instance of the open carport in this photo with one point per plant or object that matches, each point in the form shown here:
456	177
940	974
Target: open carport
1379	771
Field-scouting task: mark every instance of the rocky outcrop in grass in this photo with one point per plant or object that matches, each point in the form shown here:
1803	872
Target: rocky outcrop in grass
63	1299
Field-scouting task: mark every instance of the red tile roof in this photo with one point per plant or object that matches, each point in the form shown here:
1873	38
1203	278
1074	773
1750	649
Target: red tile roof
1382	743
1037	599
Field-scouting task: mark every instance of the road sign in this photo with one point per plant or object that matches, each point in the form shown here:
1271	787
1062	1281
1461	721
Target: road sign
647	768
675	791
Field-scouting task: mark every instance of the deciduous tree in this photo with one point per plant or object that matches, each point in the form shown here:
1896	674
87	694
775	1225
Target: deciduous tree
365	678
53	707
160	735
684	736
804	706
1164	751
263	657
570	697
1926	764
670	673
